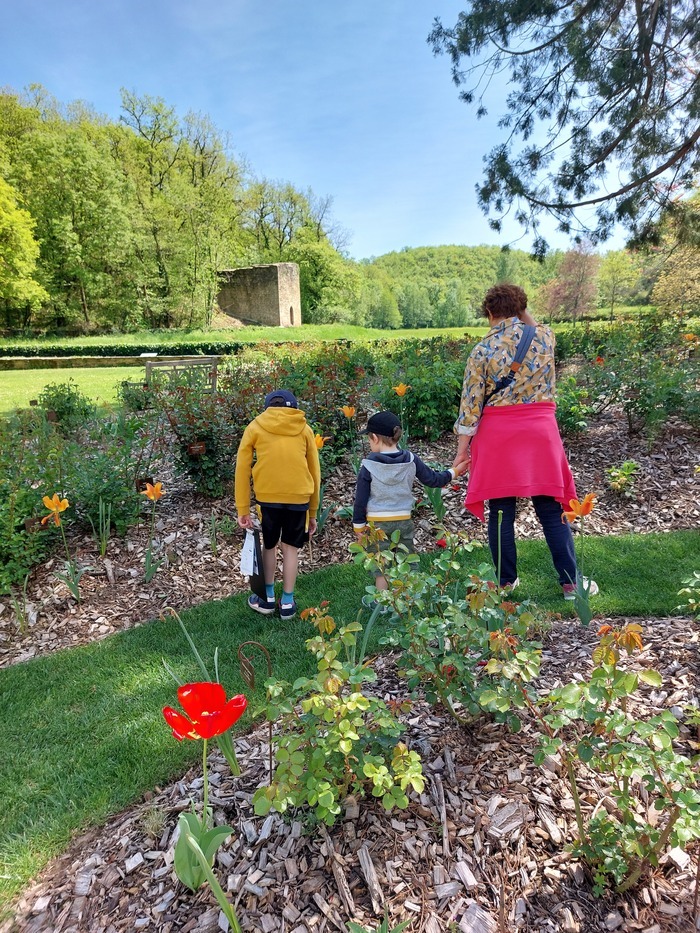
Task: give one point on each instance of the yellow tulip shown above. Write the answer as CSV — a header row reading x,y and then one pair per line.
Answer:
x,y
348,411
153,492
401,389
55,505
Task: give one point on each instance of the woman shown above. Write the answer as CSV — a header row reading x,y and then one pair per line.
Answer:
x,y
509,436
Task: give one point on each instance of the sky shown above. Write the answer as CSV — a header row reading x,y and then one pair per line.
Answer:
x,y
344,98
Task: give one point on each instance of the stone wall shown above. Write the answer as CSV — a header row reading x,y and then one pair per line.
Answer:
x,y
262,294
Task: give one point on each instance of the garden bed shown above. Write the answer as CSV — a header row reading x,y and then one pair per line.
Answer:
x,y
482,850
663,497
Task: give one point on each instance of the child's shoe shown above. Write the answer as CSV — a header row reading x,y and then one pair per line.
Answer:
x,y
287,610
569,589
265,607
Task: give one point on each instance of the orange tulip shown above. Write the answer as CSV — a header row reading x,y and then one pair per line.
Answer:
x,y
153,492
55,505
690,337
579,509
348,411
320,441
401,389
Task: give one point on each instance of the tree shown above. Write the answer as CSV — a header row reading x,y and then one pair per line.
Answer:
x,y
616,279
602,113
19,252
677,288
572,293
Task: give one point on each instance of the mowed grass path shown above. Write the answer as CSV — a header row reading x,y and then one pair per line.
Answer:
x,y
83,735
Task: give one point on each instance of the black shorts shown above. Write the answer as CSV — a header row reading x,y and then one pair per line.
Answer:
x,y
281,521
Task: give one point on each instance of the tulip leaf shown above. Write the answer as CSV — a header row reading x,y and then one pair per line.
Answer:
x,y
187,867
226,747
209,876
212,839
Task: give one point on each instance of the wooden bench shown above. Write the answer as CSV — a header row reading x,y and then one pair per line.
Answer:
x,y
204,368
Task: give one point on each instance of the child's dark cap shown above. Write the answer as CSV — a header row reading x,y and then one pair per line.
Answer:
x,y
383,422
281,398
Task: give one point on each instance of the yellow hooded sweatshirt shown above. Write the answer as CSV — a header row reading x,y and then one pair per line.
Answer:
x,y
286,468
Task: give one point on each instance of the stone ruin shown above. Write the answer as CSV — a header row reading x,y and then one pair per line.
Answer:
x,y
266,294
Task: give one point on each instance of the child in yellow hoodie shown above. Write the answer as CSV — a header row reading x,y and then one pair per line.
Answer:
x,y
286,481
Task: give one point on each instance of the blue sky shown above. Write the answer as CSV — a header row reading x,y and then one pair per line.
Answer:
x,y
346,99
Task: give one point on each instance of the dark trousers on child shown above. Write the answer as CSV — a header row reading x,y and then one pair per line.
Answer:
x,y
557,533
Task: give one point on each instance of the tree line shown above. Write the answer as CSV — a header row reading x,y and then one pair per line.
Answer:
x,y
121,225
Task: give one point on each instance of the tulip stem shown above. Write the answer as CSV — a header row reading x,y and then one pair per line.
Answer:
x,y
205,793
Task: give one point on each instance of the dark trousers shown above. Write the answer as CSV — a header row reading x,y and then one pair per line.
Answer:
x,y
557,533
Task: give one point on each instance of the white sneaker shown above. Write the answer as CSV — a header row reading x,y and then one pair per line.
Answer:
x,y
569,589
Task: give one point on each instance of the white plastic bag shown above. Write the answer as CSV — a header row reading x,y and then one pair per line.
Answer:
x,y
248,561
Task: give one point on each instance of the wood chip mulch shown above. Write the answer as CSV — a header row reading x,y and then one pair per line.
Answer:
x,y
482,850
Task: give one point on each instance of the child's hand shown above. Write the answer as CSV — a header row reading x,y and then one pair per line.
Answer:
x,y
313,525
462,466
245,521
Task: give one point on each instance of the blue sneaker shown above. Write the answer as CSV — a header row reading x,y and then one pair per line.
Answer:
x,y
265,607
287,610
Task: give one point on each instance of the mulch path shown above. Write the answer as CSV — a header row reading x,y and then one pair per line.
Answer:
x,y
482,850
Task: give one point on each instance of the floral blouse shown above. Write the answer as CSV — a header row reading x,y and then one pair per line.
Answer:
x,y
490,360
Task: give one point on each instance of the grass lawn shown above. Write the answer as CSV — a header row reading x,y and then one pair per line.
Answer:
x,y
18,386
242,335
83,735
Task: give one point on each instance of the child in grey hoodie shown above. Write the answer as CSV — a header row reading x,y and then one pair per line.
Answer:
x,y
383,495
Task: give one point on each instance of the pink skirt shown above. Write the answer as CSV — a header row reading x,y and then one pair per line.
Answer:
x,y
517,451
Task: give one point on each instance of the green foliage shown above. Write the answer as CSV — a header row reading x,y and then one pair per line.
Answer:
x,y
129,222
590,722
207,432
691,590
332,739
102,471
382,928
30,468
621,478
643,366
434,370
626,161
462,641
134,396
19,252
572,406
73,409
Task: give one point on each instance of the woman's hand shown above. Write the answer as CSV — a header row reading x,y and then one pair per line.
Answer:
x,y
245,521
462,458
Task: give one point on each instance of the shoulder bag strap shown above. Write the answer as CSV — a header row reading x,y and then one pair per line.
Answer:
x,y
522,348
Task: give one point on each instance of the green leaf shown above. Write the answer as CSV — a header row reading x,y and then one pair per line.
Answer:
x,y
651,677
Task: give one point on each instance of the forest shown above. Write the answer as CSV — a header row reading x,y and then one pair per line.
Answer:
x,y
117,226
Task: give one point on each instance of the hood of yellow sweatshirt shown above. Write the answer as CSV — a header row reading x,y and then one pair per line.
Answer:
x,y
289,421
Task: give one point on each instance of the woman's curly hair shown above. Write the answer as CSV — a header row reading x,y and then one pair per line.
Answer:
x,y
504,301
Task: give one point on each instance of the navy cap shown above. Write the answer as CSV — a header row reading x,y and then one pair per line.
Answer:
x,y
382,423
289,400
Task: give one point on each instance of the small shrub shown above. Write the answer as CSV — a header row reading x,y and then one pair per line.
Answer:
x,y
573,409
621,479
333,739
73,409
589,724
462,641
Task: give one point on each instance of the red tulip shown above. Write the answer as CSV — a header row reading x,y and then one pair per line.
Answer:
x,y
209,713
441,542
